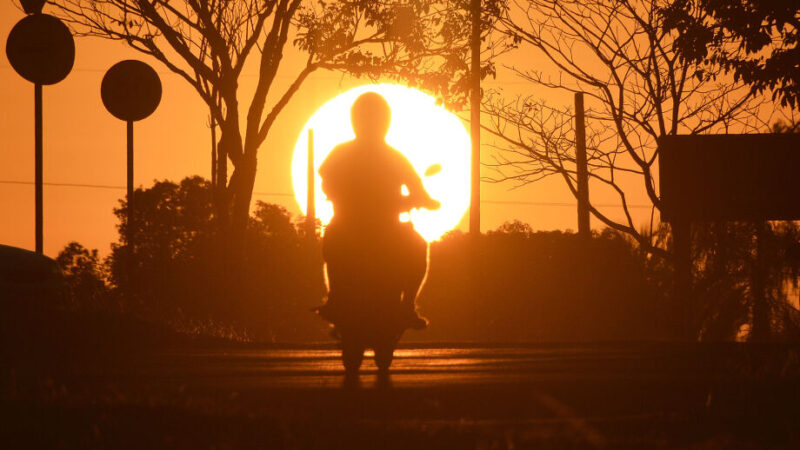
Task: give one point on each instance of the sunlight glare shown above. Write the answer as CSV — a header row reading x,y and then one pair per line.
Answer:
x,y
426,133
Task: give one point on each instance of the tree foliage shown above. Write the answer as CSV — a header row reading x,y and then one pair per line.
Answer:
x,y
172,271
209,43
85,276
726,256
531,286
540,287
757,41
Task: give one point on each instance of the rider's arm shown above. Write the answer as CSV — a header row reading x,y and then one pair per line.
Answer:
x,y
418,195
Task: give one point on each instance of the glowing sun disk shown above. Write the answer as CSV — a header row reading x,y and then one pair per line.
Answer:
x,y
427,134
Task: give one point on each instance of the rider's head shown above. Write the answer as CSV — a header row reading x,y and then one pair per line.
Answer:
x,y
371,116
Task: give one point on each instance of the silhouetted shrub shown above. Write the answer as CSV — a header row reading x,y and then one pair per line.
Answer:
x,y
517,285
726,256
511,284
85,276
180,271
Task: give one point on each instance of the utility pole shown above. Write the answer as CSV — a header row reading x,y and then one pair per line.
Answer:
x,y
475,135
311,213
475,119
584,230
213,154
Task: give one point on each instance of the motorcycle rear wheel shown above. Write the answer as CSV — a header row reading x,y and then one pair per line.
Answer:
x,y
383,356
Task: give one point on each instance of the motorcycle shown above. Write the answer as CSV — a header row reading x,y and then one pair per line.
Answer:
x,y
369,312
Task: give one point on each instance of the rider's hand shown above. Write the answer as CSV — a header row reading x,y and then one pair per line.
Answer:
x,y
432,204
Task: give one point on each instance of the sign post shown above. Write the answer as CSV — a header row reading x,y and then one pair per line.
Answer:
x,y
41,49
38,169
131,91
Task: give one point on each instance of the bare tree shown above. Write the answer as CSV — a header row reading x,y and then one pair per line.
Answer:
x,y
637,88
208,42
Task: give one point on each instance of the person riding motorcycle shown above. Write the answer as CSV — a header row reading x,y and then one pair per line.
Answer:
x,y
364,179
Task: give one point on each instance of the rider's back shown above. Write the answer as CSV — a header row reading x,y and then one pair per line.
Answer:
x,y
364,183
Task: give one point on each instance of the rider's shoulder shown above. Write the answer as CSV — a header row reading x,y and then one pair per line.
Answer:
x,y
343,147
395,153
398,159
338,155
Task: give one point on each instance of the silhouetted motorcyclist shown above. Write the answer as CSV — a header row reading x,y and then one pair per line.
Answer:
x,y
363,178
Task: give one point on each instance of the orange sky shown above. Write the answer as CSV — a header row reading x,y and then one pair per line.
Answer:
x,y
84,144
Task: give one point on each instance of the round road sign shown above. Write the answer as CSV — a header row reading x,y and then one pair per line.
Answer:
x,y
41,49
131,90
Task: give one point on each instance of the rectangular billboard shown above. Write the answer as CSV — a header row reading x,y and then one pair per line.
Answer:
x,y
736,177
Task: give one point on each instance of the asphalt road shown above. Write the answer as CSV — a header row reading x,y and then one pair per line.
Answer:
x,y
428,367
556,396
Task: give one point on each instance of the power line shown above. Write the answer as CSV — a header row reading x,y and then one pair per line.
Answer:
x,y
286,194
170,73
109,186
316,77
571,205
95,186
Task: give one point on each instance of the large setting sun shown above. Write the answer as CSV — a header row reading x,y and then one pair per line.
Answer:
x,y
426,133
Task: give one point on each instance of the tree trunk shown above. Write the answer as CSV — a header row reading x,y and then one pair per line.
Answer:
x,y
242,182
226,256
221,204
240,191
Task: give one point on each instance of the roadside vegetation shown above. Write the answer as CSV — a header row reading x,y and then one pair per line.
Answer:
x,y
511,285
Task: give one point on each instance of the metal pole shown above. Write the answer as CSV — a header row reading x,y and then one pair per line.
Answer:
x,y
131,216
475,119
475,136
213,154
760,330
584,230
311,212
682,242
38,178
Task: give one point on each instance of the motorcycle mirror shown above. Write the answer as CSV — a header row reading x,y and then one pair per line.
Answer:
x,y
433,170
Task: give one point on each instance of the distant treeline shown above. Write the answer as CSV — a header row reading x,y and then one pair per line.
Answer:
x,y
510,284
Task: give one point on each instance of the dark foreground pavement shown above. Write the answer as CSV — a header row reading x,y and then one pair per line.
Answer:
x,y
647,395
